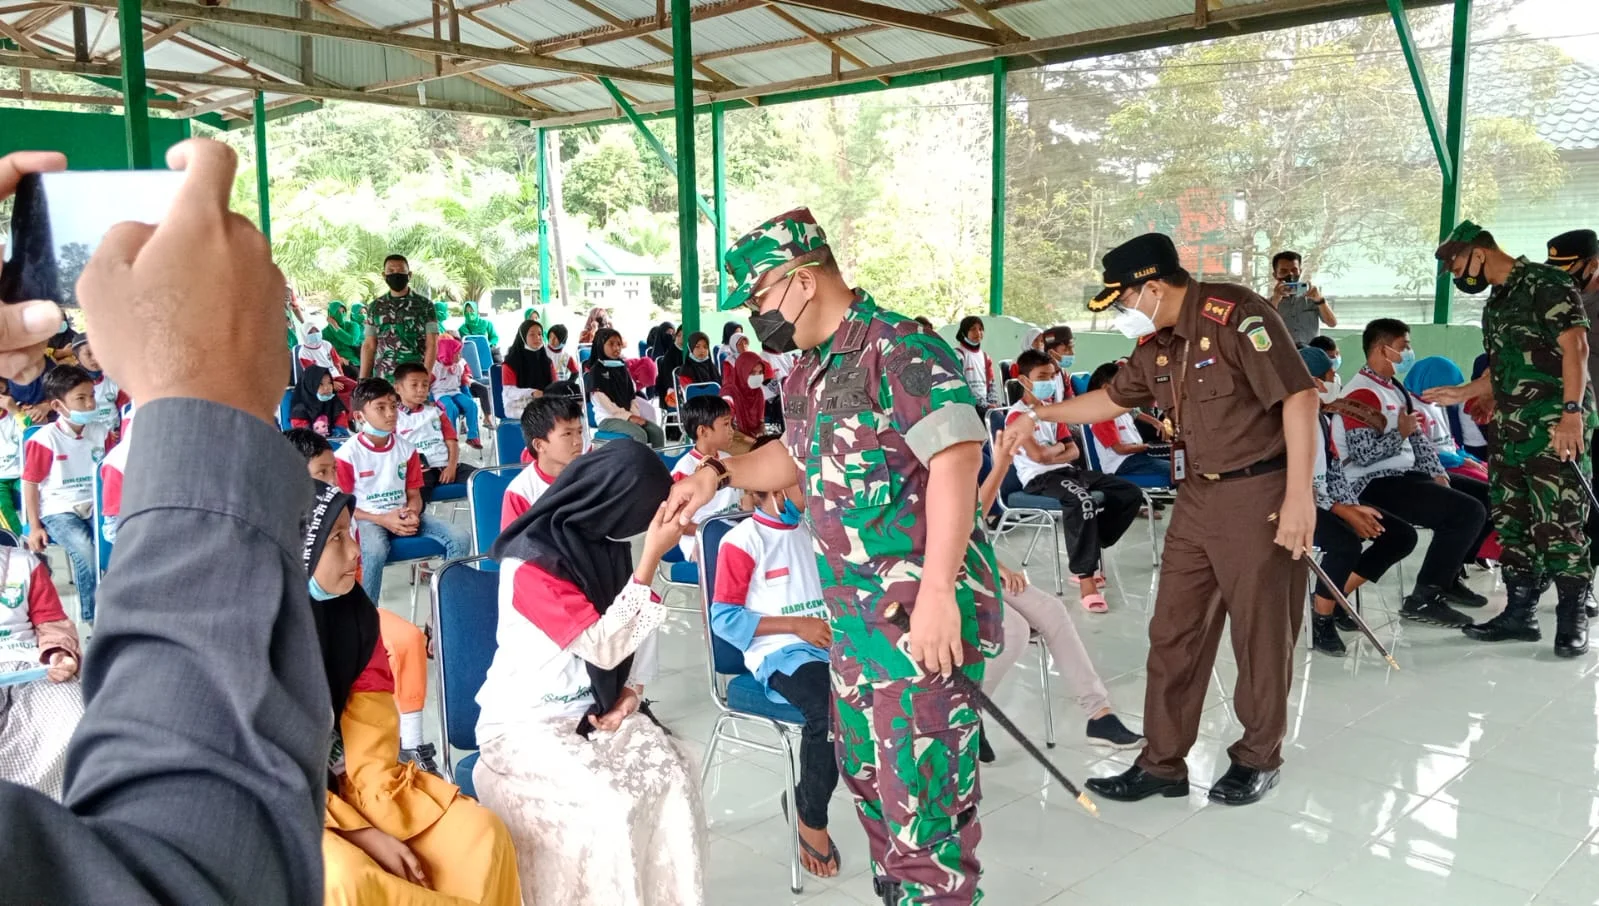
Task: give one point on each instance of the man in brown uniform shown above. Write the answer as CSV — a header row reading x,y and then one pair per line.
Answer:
x,y
1218,360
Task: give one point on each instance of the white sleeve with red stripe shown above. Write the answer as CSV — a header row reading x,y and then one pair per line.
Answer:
x,y
44,604
37,460
734,570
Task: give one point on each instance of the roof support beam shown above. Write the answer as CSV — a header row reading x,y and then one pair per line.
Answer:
x,y
651,40
464,10
985,15
655,144
901,18
645,26
838,52
221,15
59,64
92,100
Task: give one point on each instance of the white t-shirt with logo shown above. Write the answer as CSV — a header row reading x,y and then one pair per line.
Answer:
x,y
1047,434
1121,430
524,491
770,569
727,500
63,465
378,477
10,446
108,400
27,598
427,429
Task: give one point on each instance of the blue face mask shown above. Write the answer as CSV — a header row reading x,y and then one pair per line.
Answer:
x,y
97,375
1066,361
378,433
1044,391
325,397
1406,359
699,358
612,363
318,593
81,417
1338,362
790,514
556,347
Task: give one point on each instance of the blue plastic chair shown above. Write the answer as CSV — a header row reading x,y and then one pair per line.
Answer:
x,y
101,544
583,354
283,410
740,699
496,393
485,496
415,550
599,437
465,604
705,389
509,444
475,359
1020,510
1080,382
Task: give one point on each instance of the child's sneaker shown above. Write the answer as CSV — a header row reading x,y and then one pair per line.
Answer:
x,y
475,443
1109,732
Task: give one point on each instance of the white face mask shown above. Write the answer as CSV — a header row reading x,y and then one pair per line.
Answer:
x,y
1134,324
1335,389
755,381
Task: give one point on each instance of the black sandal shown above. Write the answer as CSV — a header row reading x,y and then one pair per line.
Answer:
x,y
832,858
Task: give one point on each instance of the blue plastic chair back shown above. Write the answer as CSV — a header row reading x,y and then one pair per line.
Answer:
x,y
475,358
414,547
102,546
725,658
509,444
283,410
485,497
465,617
1080,382
1005,365
643,347
1091,448
705,389
583,355
497,392
670,455
485,353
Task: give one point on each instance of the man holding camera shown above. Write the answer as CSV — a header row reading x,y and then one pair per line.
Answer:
x,y
1302,307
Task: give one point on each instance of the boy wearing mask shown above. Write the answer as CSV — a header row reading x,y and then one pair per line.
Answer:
x,y
59,464
108,397
384,472
708,421
1046,466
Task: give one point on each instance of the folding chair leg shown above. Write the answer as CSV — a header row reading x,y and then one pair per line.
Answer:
x,y
710,753
1049,707
796,881
1057,537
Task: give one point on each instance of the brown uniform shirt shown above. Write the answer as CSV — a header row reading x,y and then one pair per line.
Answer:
x,y
1240,365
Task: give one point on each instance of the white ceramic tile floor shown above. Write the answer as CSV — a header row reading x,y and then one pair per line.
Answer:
x,y
1471,777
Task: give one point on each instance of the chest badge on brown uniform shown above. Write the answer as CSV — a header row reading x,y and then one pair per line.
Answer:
x,y
1204,344
1161,360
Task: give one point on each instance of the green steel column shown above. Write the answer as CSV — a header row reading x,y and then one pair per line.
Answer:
x,y
687,196
544,219
262,180
996,217
719,196
135,109
1454,139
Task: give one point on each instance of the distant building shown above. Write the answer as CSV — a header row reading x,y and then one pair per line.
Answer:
x,y
615,278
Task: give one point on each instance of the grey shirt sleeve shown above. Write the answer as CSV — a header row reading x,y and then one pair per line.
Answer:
x,y
197,774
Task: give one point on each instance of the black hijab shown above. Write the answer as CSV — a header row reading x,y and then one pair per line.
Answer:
x,y
572,531
616,382
533,367
304,404
671,358
662,337
346,626
699,372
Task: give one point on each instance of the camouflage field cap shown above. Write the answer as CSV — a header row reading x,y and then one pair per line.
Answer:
x,y
772,244
1459,240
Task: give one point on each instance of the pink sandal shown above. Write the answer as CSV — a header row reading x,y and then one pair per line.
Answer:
x,y
1095,604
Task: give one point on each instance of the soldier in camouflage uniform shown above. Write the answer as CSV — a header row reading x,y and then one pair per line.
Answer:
x,y
884,431
1577,253
401,325
1536,336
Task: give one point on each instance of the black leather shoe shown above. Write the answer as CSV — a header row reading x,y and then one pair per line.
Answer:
x,y
1242,786
1135,783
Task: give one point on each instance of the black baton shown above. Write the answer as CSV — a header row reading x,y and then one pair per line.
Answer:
x,y
1583,480
901,621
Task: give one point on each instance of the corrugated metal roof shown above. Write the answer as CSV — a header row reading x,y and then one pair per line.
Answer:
x,y
749,45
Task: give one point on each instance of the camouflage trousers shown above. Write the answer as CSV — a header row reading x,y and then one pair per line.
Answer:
x,y
907,750
1540,511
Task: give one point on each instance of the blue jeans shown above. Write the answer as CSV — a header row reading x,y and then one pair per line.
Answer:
x,y
1145,464
459,404
74,534
375,548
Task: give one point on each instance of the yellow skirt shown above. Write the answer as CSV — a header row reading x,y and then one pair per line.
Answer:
x,y
467,856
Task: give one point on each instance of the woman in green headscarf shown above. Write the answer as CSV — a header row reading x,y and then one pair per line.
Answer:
x,y
475,325
343,333
441,310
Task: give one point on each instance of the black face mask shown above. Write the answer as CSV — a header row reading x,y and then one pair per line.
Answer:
x,y
775,331
397,282
1472,285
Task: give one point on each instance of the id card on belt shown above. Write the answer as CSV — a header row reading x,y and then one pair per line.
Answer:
x,y
1179,462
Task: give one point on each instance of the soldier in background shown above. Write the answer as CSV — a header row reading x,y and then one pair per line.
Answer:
x,y
883,434
1577,253
1536,337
